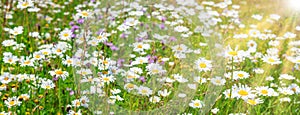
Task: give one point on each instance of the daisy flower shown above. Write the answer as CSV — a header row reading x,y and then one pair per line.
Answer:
x,y
108,78
230,53
286,77
229,92
154,99
271,59
16,31
285,91
196,104
38,56
59,73
240,75
243,91
140,47
203,65
131,75
84,101
200,80
84,72
115,91
11,59
144,91
22,4
140,60
181,48
26,62
215,110
155,68
131,22
295,60
46,51
180,78
164,93
254,33
71,112
181,29
265,91
76,103
5,78
12,101
68,61
117,97
65,34
47,84
218,81
254,101
7,43
295,88
102,37
136,70
85,13
130,86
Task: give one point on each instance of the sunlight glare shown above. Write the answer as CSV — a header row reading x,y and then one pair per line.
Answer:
x,y
295,4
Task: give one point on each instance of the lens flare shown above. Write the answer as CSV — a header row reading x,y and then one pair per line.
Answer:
x,y
295,4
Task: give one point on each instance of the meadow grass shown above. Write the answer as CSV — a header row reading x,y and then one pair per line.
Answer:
x,y
96,80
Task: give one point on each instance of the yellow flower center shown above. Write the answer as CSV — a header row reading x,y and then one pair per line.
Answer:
x,y
202,65
2,86
232,53
130,86
243,93
155,71
25,4
144,91
264,91
90,79
84,73
105,62
58,50
66,34
48,87
6,78
241,75
10,60
45,53
78,103
12,103
85,14
271,60
37,56
196,104
69,61
294,89
252,102
27,62
228,94
59,72
106,79
179,48
99,37
140,46
130,77
141,61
